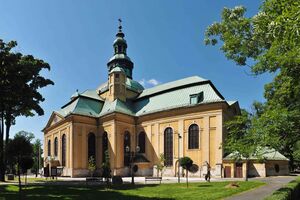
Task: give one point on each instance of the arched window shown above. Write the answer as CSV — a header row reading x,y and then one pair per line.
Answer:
x,y
142,142
193,136
104,145
91,145
126,144
49,147
168,146
55,146
63,150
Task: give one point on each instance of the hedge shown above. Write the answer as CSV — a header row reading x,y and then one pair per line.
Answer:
x,y
290,191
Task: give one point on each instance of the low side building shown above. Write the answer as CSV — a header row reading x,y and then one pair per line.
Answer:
x,y
268,162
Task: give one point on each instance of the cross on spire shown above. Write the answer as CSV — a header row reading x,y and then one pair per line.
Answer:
x,y
120,24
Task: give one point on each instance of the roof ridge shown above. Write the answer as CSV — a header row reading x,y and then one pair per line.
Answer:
x,y
171,85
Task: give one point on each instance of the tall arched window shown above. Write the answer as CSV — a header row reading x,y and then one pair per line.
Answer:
x,y
193,136
49,147
142,142
63,150
126,144
104,145
55,146
91,145
168,146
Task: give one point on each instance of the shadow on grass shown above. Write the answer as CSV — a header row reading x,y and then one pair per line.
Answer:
x,y
204,185
8,192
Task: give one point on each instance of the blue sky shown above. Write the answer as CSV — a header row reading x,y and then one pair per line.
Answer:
x,y
165,42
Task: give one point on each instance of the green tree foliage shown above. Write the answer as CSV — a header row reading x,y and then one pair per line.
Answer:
x,y
240,139
37,152
106,171
267,42
92,165
160,164
20,84
186,163
19,150
28,135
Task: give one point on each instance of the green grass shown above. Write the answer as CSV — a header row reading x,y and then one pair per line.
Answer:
x,y
214,190
289,191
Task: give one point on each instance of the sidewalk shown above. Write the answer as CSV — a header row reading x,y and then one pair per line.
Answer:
x,y
273,184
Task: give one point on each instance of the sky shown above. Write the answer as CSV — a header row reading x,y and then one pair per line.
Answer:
x,y
164,37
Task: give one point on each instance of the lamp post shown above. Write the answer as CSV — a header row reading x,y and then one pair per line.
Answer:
x,y
178,171
132,155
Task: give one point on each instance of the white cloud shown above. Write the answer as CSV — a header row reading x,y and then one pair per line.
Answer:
x,y
153,82
142,82
149,83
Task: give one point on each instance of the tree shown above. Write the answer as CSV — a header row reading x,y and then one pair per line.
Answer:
x,y
240,140
37,152
25,164
92,165
18,150
106,171
20,84
267,42
28,135
186,163
161,164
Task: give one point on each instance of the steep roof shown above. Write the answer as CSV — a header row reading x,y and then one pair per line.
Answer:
x,y
171,85
82,106
175,94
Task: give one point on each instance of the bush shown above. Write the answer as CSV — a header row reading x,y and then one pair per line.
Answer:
x,y
117,180
288,192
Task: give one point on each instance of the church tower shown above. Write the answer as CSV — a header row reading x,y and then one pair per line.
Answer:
x,y
119,68
120,58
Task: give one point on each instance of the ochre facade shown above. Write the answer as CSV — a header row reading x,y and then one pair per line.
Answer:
x,y
96,121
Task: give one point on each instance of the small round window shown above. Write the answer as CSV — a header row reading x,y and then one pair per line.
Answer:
x,y
276,166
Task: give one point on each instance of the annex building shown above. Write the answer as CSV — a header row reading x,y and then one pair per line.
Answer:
x,y
180,118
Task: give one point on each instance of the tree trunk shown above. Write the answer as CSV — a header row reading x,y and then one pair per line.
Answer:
x,y
2,166
19,175
187,178
246,175
7,129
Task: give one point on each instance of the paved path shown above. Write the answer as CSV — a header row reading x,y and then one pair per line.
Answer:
x,y
273,184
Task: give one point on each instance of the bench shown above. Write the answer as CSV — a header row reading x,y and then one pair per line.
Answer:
x,y
153,179
94,180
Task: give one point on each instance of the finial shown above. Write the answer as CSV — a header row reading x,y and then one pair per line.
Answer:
x,y
120,24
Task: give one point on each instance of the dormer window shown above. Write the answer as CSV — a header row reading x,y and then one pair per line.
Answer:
x,y
196,98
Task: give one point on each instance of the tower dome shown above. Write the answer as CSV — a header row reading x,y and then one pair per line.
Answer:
x,y
120,58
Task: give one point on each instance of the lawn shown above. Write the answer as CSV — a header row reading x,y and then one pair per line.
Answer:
x,y
213,190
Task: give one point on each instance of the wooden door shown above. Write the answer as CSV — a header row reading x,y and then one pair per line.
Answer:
x,y
238,170
227,172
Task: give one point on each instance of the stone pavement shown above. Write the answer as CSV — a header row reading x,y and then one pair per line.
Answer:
x,y
273,184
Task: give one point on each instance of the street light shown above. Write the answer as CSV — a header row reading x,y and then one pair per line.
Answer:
x,y
179,137
132,155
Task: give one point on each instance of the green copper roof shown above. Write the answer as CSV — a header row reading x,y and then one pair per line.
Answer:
x,y
265,153
170,85
175,98
117,69
134,85
119,56
82,106
116,106
172,95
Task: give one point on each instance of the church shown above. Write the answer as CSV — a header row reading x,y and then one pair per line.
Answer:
x,y
180,118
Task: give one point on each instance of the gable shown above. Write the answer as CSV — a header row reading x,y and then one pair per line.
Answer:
x,y
54,118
